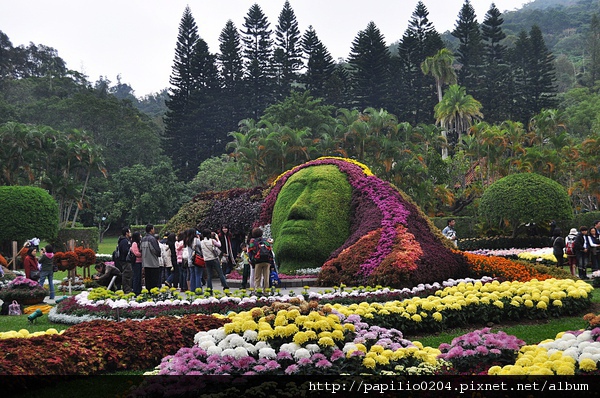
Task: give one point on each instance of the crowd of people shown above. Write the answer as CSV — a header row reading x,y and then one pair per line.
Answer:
x,y
171,261
581,247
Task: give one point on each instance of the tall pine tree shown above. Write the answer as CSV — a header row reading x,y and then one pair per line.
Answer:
x,y
231,67
179,145
496,81
415,93
370,62
287,56
470,49
258,48
542,73
206,116
534,76
319,64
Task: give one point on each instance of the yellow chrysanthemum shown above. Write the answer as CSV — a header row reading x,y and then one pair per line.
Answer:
x,y
300,338
587,365
416,318
369,363
326,342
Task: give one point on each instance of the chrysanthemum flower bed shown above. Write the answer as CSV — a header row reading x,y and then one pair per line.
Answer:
x,y
571,353
287,339
294,340
101,303
96,346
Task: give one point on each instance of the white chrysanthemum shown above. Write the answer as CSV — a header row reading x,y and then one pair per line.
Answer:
x,y
201,337
218,334
568,336
262,344
205,345
251,348
313,348
235,340
585,336
349,347
585,346
214,350
571,352
267,352
302,353
250,335
240,352
229,352
289,347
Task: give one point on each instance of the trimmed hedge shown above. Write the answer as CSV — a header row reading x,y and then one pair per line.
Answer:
x,y
525,197
86,237
25,213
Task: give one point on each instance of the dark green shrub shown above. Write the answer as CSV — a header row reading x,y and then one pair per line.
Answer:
x,y
25,213
158,228
86,237
523,198
237,208
466,227
503,242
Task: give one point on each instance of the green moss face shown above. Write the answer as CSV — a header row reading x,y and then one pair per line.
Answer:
x,y
311,217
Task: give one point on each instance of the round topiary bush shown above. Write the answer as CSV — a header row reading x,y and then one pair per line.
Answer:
x,y
27,212
523,198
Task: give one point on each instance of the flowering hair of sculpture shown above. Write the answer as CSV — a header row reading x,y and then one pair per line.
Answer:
x,y
391,241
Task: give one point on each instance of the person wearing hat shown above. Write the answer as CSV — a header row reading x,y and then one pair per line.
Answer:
x,y
570,250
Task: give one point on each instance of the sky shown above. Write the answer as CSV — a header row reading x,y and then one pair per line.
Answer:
x,y
136,38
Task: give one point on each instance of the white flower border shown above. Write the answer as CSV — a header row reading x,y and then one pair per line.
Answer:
x,y
83,300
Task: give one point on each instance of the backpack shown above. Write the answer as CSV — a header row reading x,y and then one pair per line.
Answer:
x,y
116,255
570,246
263,252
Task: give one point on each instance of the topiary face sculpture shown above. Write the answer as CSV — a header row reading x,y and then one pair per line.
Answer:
x,y
311,217
335,213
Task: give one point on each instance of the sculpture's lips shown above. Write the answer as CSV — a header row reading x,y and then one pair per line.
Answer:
x,y
296,226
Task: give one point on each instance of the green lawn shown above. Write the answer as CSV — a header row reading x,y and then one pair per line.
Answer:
x,y
108,245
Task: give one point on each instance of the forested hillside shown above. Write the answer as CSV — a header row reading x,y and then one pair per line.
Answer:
x,y
442,119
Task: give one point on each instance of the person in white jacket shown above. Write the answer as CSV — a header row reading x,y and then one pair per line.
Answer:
x,y
209,242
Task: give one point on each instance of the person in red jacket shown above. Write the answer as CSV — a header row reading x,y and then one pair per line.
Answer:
x,y
31,264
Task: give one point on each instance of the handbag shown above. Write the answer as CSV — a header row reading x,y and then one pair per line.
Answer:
x,y
34,275
198,260
130,257
14,308
216,251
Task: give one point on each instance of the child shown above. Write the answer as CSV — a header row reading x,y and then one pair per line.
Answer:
x,y
247,270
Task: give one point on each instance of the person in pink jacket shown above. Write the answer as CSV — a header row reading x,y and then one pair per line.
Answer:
x,y
136,240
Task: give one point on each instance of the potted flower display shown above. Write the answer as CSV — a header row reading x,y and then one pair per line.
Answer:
x,y
24,291
85,257
65,261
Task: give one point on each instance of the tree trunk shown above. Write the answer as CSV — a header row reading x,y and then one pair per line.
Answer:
x,y
87,178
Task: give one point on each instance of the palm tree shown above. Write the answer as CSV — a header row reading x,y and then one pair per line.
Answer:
x,y
440,67
457,111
